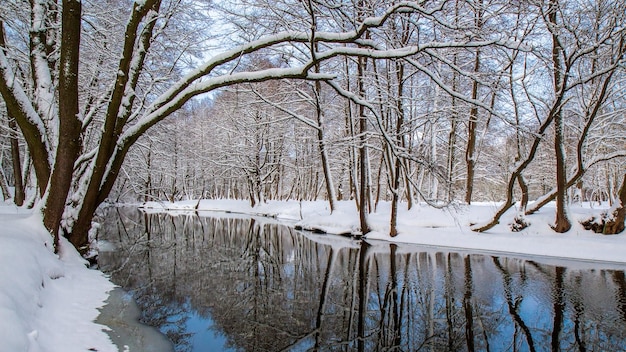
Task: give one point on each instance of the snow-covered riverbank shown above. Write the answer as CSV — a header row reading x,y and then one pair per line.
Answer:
x,y
447,227
48,302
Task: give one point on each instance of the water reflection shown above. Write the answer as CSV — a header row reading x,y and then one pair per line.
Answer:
x,y
240,284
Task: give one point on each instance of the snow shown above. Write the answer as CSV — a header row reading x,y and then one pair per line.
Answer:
x,y
448,227
48,302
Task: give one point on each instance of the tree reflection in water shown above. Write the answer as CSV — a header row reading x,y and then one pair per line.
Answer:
x,y
266,287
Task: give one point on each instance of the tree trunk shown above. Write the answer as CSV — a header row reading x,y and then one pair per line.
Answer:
x,y
470,151
34,139
590,118
518,171
4,186
20,195
363,173
69,124
319,116
364,195
328,178
524,189
399,140
109,155
562,221
407,185
470,156
452,149
619,214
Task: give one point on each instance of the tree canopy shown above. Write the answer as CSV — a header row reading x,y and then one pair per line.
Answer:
x,y
360,99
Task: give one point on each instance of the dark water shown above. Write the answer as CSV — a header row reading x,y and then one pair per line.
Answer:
x,y
224,284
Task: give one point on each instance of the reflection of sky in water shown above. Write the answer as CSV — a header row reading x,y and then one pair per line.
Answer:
x,y
273,289
205,338
203,334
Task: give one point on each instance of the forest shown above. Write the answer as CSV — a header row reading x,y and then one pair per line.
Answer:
x,y
438,102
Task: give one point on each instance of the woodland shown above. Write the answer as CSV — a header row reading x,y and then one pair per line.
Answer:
x,y
437,102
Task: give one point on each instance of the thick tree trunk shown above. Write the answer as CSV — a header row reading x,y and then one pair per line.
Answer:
x,y
470,157
69,124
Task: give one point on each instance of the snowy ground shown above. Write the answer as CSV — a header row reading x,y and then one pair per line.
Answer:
x,y
50,302
448,227
47,302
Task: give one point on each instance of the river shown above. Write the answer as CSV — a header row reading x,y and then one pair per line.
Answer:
x,y
225,283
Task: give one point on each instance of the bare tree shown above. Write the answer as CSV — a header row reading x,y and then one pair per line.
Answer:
x,y
572,73
134,101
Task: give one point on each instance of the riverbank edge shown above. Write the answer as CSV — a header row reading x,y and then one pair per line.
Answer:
x,y
120,315
448,227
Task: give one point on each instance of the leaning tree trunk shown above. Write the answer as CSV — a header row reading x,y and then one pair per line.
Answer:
x,y
16,110
521,166
100,182
611,223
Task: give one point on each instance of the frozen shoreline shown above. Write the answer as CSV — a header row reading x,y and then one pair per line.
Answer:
x,y
424,225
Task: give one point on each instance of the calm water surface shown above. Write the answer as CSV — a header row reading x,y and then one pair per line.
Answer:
x,y
226,284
